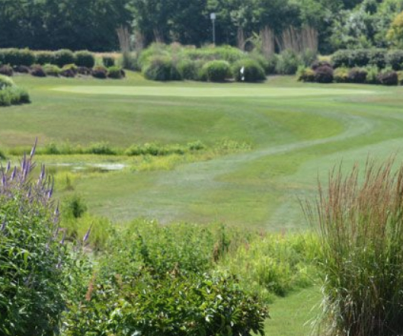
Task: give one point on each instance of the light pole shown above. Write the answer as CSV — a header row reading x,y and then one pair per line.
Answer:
x,y
213,17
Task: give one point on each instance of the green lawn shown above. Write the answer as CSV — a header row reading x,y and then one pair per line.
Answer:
x,y
297,133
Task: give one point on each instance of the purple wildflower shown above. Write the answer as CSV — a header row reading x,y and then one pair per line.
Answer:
x,y
87,235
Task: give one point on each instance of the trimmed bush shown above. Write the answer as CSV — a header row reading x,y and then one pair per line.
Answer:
x,y
44,57
69,71
5,81
341,58
99,72
84,71
6,70
394,59
13,95
388,77
84,59
377,57
324,74
21,69
372,75
248,70
357,75
51,70
216,71
340,75
108,61
37,71
161,69
288,63
115,72
18,57
63,57
188,69
305,74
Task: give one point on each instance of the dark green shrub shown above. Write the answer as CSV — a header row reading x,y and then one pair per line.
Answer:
x,y
115,72
84,71
73,206
34,265
99,72
161,69
51,70
340,75
359,57
19,57
84,59
108,61
216,71
248,70
6,70
388,77
189,69
357,75
372,75
394,59
341,58
37,71
324,74
69,71
21,69
5,82
44,57
288,63
63,57
305,74
101,148
13,95
377,57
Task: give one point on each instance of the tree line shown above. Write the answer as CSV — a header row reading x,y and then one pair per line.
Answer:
x,y
92,24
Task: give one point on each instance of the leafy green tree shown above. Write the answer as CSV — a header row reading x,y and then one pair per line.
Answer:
x,y
395,34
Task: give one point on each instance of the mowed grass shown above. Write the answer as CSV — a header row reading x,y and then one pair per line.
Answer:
x,y
297,132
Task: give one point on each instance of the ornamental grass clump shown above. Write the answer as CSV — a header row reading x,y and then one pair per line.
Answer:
x,y
360,220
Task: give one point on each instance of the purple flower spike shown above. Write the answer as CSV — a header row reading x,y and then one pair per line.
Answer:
x,y
3,180
87,235
13,173
64,237
34,148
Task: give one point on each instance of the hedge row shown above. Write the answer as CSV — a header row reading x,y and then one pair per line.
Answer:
x,y
26,57
324,73
10,94
381,58
69,70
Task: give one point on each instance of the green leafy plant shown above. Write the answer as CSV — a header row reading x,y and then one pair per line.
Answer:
x,y
248,71
84,59
63,57
216,71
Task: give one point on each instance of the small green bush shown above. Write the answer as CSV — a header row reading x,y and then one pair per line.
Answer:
x,y
189,69
63,57
5,82
108,61
288,63
69,71
100,148
84,59
357,75
6,70
115,72
248,70
51,70
305,74
161,69
44,57
84,71
99,72
324,74
372,75
216,71
394,59
377,57
341,58
340,75
11,94
37,71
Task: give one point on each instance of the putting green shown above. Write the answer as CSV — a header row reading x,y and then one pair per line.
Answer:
x,y
228,91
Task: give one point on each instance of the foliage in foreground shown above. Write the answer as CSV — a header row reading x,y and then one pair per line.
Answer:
x,y
10,94
33,261
361,228
161,283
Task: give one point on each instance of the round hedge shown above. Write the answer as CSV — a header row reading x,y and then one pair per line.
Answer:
x,y
99,72
160,68
5,82
388,77
45,57
37,71
324,74
248,70
63,57
108,61
189,69
51,70
216,71
84,59
115,72
340,75
357,75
